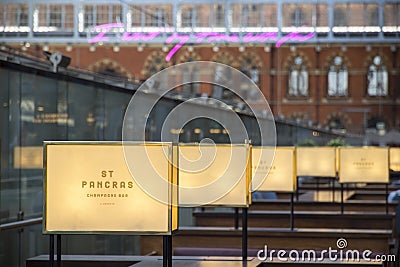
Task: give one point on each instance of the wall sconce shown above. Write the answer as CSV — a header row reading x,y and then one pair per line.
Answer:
x,y
57,60
68,48
25,46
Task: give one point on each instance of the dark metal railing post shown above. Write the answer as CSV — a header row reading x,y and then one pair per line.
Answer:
x,y
58,250
244,234
291,211
51,251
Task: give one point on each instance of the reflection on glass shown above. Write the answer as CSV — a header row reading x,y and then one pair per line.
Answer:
x,y
35,109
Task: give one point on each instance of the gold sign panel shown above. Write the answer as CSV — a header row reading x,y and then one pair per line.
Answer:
x,y
28,157
364,165
395,159
214,175
278,177
89,188
316,161
329,196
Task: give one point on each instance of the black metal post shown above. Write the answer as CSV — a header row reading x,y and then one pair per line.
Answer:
x,y
341,199
51,251
164,254
58,250
170,251
333,187
236,218
386,198
297,188
167,251
291,211
244,234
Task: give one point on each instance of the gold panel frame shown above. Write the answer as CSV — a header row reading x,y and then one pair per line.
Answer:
x,y
195,189
281,175
316,161
89,189
364,165
394,158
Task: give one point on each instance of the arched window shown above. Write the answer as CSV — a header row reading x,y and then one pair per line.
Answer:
x,y
254,74
154,63
219,77
337,78
377,78
251,65
222,74
190,74
298,78
110,67
336,123
375,122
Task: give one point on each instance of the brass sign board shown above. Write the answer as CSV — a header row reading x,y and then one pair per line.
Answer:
x,y
363,165
394,158
89,188
28,157
316,161
214,175
278,177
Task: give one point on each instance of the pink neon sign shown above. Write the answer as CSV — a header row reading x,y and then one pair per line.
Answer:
x,y
204,37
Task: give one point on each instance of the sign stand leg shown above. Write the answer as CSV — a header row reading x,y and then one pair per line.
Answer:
x,y
236,218
386,198
164,254
51,251
341,199
167,251
58,250
291,211
170,250
244,234
297,188
333,187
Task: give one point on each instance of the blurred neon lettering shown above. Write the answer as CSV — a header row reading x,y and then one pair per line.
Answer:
x,y
204,37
